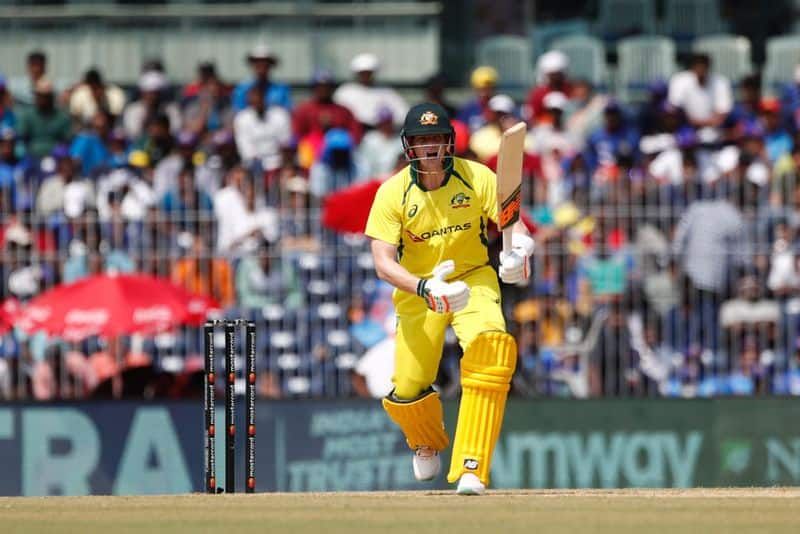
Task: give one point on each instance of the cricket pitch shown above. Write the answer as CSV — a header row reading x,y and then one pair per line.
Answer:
x,y
748,510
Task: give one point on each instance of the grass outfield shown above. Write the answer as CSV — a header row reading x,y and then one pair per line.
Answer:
x,y
738,511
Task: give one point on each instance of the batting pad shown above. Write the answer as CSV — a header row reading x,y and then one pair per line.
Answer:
x,y
486,370
420,419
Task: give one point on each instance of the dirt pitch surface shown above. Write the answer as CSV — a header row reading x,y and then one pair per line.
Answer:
x,y
771,510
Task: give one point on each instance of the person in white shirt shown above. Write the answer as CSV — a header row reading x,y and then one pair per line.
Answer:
x,y
705,97
152,102
260,131
240,218
364,99
87,98
380,148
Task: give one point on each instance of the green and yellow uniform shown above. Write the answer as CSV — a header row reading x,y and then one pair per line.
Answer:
x,y
429,227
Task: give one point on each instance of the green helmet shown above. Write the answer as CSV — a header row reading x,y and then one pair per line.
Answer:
x,y
427,119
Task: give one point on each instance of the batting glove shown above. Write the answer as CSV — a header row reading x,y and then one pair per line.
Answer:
x,y
515,265
441,296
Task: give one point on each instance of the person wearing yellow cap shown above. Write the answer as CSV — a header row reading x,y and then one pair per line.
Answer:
x,y
476,112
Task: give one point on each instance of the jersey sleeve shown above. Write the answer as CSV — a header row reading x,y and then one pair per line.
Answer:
x,y
384,222
487,184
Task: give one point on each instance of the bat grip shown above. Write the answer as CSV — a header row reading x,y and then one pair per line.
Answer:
x,y
507,239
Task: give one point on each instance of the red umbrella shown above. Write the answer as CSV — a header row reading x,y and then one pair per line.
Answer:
x,y
346,210
9,310
112,305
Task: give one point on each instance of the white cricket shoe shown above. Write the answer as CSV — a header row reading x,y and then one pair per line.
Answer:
x,y
470,484
426,463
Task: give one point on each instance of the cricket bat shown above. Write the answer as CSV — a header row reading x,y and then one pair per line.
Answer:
x,y
509,180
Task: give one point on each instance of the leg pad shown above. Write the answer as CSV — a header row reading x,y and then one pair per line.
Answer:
x,y
420,419
486,370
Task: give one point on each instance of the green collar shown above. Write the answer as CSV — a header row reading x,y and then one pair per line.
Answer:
x,y
415,178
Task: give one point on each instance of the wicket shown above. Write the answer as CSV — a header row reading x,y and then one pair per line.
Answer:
x,y
209,406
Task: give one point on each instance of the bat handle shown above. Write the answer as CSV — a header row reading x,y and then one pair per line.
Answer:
x,y
507,239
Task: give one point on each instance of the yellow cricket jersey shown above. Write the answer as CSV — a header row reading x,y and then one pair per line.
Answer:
x,y
429,227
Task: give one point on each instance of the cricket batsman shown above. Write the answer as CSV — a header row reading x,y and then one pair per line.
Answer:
x,y
428,228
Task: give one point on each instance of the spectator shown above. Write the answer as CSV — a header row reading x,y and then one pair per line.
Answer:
x,y
132,183
186,204
24,277
320,113
207,78
380,148
614,141
363,98
15,175
336,167
648,115
24,89
157,141
152,103
777,141
260,131
65,192
706,243
91,147
434,93
44,125
744,113
552,69
261,60
583,113
749,313
705,97
200,272
92,96
549,133
209,107
262,279
240,218
7,117
790,102
182,155
475,112
485,142
783,279
223,157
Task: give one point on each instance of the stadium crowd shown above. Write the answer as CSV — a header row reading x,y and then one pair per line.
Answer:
x,y
666,261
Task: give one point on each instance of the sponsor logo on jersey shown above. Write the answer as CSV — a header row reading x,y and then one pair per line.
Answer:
x,y
459,200
413,211
470,464
414,237
439,231
429,118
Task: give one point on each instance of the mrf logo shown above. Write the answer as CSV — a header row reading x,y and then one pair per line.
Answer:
x,y
429,118
470,464
459,200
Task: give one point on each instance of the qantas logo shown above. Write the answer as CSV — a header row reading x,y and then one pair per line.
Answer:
x,y
441,231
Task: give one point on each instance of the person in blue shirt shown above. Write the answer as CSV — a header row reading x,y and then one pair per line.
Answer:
x,y
261,60
16,180
7,117
613,141
777,140
90,146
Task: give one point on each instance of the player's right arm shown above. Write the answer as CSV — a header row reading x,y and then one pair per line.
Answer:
x,y
384,226
384,257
